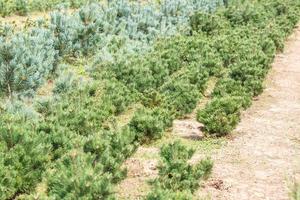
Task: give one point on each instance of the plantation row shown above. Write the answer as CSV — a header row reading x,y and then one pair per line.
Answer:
x,y
68,151
248,38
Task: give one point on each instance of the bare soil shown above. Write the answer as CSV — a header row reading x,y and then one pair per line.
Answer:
x,y
21,21
142,167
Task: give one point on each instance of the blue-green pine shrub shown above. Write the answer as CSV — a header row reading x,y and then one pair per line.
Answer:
x,y
26,60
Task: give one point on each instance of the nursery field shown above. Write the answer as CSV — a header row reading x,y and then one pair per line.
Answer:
x,y
81,92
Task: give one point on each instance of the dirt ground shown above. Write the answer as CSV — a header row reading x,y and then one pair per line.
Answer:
x,y
264,155
21,21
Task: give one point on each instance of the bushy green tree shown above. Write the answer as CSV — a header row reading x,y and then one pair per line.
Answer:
x,y
75,176
24,156
22,7
177,178
180,96
229,87
221,115
150,123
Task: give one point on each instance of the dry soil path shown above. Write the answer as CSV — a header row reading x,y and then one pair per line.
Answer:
x,y
21,21
264,154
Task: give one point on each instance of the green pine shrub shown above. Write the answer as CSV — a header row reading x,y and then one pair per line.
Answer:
x,y
221,115
24,156
247,49
6,7
196,74
89,105
42,105
244,13
180,96
207,23
21,7
119,95
150,123
277,36
75,176
111,149
177,178
268,46
251,75
229,87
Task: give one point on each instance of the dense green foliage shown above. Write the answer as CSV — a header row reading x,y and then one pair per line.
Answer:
x,y
221,115
247,40
177,178
157,56
24,155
